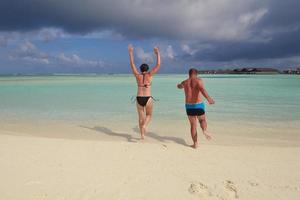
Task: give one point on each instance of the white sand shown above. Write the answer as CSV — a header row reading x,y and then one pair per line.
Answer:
x,y
87,167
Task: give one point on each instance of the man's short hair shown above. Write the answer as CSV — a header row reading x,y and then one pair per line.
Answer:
x,y
193,71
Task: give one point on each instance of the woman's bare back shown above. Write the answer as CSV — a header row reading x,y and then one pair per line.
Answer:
x,y
144,82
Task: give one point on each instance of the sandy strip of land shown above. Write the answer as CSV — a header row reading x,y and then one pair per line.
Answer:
x,y
46,168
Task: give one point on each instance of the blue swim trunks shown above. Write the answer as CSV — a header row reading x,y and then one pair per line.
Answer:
x,y
196,109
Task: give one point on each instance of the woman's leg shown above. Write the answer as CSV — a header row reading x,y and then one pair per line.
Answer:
x,y
141,114
149,109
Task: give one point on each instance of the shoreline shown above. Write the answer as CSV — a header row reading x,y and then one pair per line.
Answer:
x,y
223,134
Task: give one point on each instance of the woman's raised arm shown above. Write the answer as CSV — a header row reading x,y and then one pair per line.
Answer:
x,y
156,68
132,65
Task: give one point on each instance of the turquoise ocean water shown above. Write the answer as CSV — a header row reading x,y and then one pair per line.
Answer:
x,y
251,98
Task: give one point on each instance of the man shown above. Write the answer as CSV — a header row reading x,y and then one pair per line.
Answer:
x,y
195,107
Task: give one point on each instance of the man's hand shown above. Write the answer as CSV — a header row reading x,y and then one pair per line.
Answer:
x,y
156,50
210,100
130,48
179,86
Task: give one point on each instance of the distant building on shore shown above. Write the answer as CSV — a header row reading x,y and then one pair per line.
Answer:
x,y
255,70
292,71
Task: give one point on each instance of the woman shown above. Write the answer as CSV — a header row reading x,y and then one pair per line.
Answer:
x,y
144,101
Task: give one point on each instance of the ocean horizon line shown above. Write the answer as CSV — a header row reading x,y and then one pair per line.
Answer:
x,y
118,74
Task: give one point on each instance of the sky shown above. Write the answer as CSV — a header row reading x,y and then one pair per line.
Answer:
x,y
91,36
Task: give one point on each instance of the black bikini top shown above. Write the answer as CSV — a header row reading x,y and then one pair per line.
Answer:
x,y
144,85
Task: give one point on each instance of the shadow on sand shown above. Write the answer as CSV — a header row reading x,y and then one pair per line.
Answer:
x,y
130,138
163,138
112,133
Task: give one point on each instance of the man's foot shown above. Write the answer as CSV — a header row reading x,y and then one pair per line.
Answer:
x,y
207,135
195,146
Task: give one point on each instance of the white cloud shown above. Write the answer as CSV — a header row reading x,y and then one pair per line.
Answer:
x,y
7,37
44,34
187,49
170,52
166,52
250,18
105,34
3,41
49,34
29,52
144,56
27,47
76,60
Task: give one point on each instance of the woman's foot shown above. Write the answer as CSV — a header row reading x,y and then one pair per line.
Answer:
x,y
143,131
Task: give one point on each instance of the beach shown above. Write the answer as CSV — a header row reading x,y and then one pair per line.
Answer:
x,y
77,138
78,168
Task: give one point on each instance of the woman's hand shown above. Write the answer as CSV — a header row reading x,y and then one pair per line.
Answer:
x,y
156,50
130,48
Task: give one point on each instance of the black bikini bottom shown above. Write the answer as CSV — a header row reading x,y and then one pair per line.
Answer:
x,y
142,100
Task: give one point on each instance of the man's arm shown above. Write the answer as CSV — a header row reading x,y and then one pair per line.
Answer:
x,y
205,93
132,65
180,85
156,68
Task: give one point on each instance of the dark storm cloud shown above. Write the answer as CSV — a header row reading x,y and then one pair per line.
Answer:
x,y
251,29
138,18
278,36
280,46
281,14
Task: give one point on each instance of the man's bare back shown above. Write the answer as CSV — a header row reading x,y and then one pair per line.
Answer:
x,y
192,90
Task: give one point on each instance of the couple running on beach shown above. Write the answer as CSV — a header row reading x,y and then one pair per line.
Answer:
x,y
193,89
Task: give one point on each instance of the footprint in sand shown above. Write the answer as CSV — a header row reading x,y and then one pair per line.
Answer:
x,y
253,183
230,191
200,189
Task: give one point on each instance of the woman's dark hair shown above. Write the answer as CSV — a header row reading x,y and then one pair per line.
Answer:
x,y
144,67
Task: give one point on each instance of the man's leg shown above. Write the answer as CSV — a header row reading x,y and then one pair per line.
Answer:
x,y
203,125
193,123
141,114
